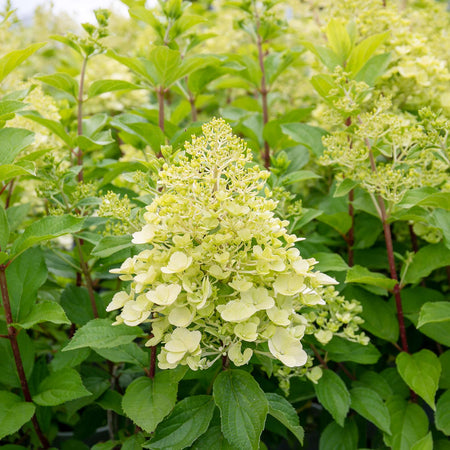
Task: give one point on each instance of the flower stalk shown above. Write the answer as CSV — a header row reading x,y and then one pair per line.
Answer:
x,y
12,336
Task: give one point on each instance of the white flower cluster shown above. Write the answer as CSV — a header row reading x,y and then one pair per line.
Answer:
x,y
221,276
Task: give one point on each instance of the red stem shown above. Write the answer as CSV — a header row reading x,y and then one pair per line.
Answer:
x,y
9,195
12,336
318,356
87,277
151,372
193,109
393,271
414,244
390,254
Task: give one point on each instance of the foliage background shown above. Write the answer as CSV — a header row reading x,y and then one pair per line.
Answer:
x,y
345,103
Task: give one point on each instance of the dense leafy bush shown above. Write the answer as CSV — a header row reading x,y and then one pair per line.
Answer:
x,y
225,225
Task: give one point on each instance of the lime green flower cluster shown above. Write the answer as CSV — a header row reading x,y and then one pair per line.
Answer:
x,y
221,275
119,212
419,44
388,153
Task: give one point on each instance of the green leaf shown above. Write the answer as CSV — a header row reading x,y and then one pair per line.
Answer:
x,y
4,228
148,401
323,83
421,372
96,142
111,400
77,304
444,382
284,412
325,54
427,259
243,408
137,65
67,41
3,257
359,274
344,187
8,371
72,358
369,404
333,395
307,135
398,386
63,82
298,176
379,318
128,353
335,437
409,423
213,439
45,311
60,387
443,413
13,140
101,86
55,127
434,321
25,275
340,350
375,382
413,298
330,262
361,54
100,333
9,107
189,420
109,245
44,229
340,221
436,200
13,59
14,413
338,39
374,68
426,443
10,171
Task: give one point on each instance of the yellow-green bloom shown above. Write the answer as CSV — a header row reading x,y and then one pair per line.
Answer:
x,y
220,268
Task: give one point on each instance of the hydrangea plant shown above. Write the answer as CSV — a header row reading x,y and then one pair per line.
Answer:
x,y
220,274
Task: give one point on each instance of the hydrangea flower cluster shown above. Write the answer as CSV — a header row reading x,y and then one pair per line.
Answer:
x,y
221,275
408,153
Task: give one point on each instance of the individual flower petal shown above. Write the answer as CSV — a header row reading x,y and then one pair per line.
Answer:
x,y
301,266
118,301
279,316
240,284
236,311
247,331
315,374
289,284
310,297
287,349
133,313
145,236
164,294
237,357
178,262
323,336
324,279
181,316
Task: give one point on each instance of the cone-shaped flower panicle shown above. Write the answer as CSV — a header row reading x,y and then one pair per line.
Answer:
x,y
221,274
